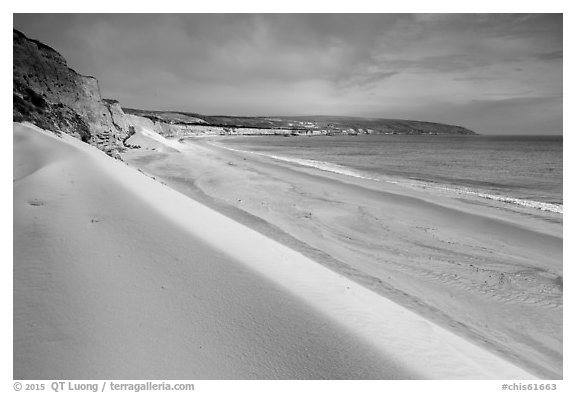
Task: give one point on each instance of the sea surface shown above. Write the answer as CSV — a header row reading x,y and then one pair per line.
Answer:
x,y
522,170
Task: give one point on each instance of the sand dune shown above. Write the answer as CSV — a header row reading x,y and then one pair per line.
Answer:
x,y
489,273
118,276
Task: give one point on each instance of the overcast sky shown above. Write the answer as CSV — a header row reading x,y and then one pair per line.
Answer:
x,y
490,73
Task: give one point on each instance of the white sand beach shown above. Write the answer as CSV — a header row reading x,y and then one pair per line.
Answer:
x,y
118,276
490,273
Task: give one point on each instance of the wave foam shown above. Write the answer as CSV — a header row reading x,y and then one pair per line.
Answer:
x,y
343,170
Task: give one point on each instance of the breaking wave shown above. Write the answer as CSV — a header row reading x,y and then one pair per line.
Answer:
x,y
346,171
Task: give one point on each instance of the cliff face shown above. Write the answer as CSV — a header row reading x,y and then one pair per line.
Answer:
x,y
170,130
48,93
182,123
53,96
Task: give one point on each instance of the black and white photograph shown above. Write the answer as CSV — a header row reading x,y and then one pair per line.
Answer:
x,y
287,196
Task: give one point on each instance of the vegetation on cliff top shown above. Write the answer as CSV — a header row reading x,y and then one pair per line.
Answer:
x,y
49,94
333,124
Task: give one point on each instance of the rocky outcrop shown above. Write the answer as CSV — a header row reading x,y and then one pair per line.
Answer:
x,y
140,122
169,130
53,96
298,125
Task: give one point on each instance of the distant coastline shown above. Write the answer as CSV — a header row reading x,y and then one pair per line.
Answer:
x,y
168,245
196,123
455,259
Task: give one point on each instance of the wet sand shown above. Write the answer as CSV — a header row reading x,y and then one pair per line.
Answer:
x,y
491,275
117,276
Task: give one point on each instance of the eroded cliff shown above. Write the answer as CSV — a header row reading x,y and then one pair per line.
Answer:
x,y
53,96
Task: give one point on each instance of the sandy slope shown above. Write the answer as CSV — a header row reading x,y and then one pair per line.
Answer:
x,y
486,272
119,276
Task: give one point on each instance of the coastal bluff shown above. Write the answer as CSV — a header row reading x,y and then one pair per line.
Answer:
x,y
48,93
53,96
182,124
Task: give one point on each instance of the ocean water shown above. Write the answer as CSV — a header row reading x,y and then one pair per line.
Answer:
x,y
522,170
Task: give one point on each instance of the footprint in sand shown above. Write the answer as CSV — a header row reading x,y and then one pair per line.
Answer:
x,y
95,220
36,202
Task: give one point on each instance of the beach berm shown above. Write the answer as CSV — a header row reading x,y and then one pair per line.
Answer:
x,y
117,276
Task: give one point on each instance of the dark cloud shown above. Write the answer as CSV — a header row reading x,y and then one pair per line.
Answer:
x,y
504,103
475,79
554,55
352,64
450,63
523,94
369,80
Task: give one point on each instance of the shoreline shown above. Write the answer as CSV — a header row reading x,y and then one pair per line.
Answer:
x,y
309,223
112,267
421,189
472,191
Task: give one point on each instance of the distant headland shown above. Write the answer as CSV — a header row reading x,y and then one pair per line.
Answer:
x,y
48,93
